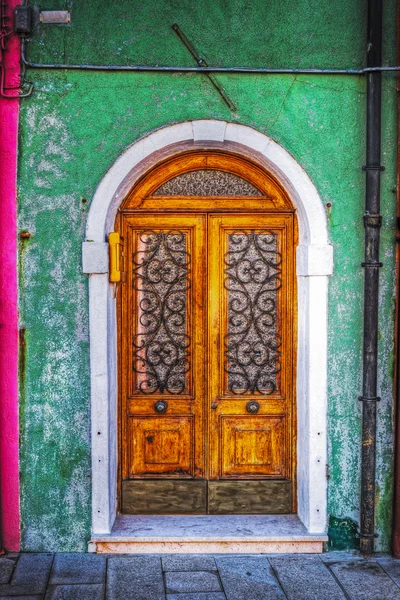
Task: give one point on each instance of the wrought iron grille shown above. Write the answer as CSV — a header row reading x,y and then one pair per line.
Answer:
x,y
161,278
253,278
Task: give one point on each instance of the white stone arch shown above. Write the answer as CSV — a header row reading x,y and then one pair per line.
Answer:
x,y
314,265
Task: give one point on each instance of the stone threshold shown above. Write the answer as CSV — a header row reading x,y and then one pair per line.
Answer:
x,y
208,534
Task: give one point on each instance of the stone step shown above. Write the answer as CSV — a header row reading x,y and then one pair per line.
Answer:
x,y
222,534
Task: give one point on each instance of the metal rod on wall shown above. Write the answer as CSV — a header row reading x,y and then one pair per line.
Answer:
x,y
371,264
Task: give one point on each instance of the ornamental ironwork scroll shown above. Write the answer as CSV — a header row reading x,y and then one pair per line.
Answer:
x,y
252,281
161,278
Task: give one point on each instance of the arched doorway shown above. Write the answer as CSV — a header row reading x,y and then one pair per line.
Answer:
x,y
207,340
314,264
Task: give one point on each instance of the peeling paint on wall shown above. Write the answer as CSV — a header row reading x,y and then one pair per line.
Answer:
x,y
77,124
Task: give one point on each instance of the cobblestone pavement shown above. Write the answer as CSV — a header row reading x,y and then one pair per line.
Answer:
x,y
331,576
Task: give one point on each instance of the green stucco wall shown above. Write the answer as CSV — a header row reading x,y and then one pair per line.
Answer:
x,y
76,125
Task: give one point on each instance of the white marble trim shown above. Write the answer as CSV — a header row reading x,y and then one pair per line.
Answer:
x,y
94,257
315,264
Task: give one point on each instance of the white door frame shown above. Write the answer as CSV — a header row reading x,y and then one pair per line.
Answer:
x,y
314,265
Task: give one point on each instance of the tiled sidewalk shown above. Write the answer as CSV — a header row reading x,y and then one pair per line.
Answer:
x,y
333,576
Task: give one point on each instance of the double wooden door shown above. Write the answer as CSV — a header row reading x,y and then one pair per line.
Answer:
x,y
207,326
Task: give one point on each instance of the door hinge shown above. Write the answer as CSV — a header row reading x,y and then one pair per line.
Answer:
x,y
116,254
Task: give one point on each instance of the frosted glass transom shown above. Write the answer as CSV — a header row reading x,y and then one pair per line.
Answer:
x,y
207,182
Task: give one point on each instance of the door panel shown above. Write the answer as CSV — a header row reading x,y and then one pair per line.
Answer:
x,y
249,497
163,381
250,346
252,445
164,496
161,445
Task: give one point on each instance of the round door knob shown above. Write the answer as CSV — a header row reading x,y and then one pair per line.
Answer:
x,y
160,406
252,407
214,405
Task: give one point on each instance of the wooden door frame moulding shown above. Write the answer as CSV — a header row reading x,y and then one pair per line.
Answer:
x,y
314,265
273,196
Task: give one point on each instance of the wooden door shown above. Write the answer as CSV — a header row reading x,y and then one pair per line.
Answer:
x,y
164,334
251,312
207,325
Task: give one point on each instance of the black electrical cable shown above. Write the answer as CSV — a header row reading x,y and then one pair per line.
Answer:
x,y
174,69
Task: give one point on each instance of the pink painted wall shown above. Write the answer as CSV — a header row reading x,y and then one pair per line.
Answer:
x,y
9,479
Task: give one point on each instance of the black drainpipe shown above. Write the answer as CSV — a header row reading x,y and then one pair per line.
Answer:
x,y
372,224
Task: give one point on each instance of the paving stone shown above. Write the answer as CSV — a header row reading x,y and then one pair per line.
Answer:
x,y
306,578
248,578
6,569
339,555
75,592
22,597
78,568
365,580
191,581
189,562
135,578
8,590
392,568
12,555
32,569
197,596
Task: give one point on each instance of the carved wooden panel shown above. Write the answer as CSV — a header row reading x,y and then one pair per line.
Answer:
x,y
252,445
161,446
